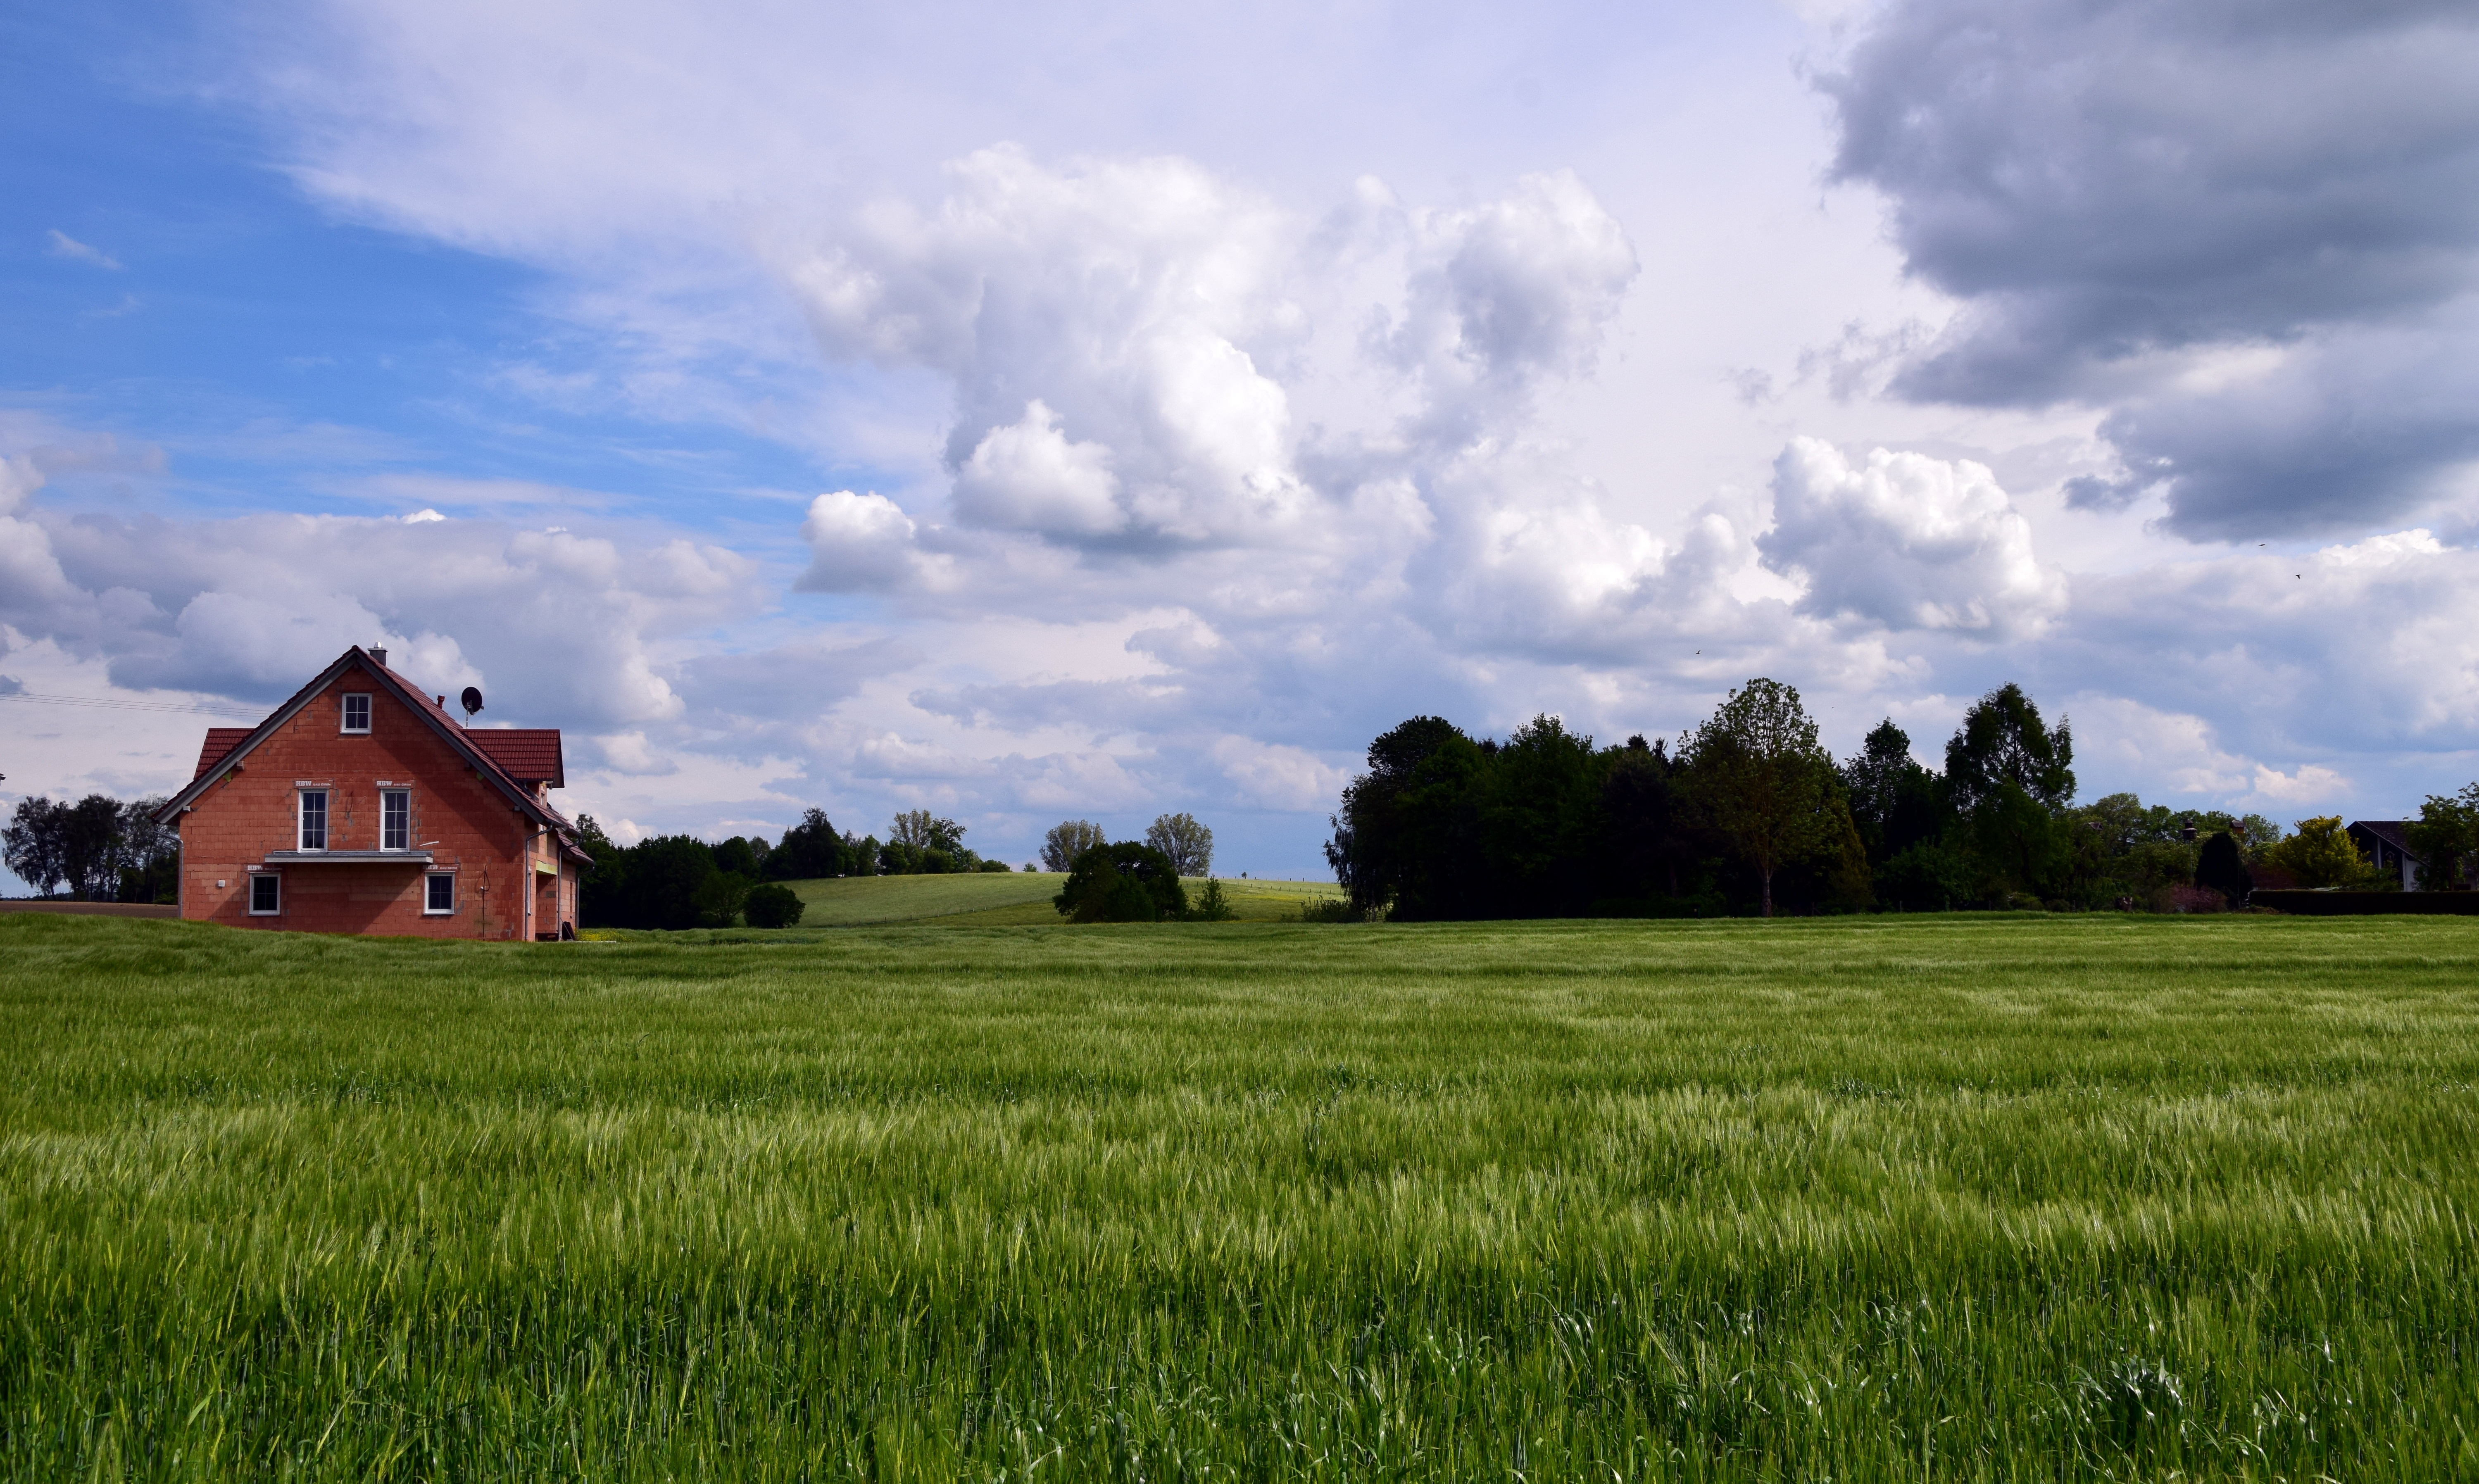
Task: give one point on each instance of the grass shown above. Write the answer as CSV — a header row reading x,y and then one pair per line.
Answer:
x,y
1005,900
1966,1197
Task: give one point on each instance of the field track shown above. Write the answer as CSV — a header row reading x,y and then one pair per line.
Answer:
x,y
1958,1197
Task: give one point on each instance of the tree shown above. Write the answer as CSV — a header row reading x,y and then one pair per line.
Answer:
x,y
1212,904
2003,740
720,898
150,855
665,873
1640,809
2219,868
1186,844
923,830
1069,841
2445,838
808,851
1894,801
774,905
1756,771
2320,855
603,891
32,844
742,854
1127,881
1382,851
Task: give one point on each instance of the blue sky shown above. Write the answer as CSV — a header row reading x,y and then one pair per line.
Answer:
x,y
1050,413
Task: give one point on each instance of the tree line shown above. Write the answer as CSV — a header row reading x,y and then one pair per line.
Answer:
x,y
679,880
1750,813
98,849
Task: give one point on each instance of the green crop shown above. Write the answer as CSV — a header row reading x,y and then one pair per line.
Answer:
x,y
1872,1198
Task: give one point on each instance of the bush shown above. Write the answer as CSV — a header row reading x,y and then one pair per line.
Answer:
x,y
1122,882
774,906
1212,904
1334,910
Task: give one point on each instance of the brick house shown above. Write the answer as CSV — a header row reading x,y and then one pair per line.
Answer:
x,y
361,805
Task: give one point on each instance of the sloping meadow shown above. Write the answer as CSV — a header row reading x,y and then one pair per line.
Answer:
x,y
2041,1197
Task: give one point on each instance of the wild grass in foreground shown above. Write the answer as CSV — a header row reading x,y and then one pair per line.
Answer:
x,y
1964,1197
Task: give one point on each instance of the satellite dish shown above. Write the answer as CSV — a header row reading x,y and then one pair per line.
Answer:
x,y
472,699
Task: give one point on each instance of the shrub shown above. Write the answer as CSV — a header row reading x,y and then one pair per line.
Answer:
x,y
1212,904
1336,909
774,906
1122,882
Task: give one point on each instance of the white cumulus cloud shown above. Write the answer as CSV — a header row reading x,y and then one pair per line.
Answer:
x,y
1904,540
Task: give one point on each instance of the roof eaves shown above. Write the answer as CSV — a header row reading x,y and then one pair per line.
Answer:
x,y
482,762
182,800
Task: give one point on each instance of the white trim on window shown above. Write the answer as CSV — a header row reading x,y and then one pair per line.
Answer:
x,y
273,882
396,819
439,894
353,712
309,820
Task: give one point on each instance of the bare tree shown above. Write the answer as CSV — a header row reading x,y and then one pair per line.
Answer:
x,y
1188,844
1066,841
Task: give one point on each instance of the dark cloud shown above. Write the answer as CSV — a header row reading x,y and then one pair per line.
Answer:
x,y
2114,189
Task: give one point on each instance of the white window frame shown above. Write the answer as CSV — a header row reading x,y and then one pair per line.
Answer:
x,y
345,714
301,819
404,835
428,911
272,877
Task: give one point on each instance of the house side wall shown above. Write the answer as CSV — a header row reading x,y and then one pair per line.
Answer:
x,y
246,814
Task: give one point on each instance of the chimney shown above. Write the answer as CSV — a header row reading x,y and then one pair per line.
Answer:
x,y
380,656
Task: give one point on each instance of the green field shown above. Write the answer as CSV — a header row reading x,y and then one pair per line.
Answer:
x,y
1959,1197
1004,900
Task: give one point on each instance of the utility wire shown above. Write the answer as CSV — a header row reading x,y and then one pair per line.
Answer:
x,y
111,704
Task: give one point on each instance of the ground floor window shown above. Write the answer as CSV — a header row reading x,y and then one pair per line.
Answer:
x,y
439,894
266,894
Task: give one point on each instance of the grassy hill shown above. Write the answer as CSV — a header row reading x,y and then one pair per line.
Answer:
x,y
1015,899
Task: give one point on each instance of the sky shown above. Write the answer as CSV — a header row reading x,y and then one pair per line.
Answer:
x,y
1032,412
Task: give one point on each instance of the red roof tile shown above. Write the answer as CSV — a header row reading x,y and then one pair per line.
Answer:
x,y
219,741
529,755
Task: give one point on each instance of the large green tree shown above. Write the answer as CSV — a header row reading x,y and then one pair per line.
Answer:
x,y
2002,741
1759,777
1128,882
2445,839
1893,800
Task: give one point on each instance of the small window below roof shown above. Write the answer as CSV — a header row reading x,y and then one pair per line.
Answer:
x,y
439,894
357,711
266,894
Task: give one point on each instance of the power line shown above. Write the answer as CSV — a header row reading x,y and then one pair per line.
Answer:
x,y
111,704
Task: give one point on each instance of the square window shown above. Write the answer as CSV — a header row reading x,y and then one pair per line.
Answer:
x,y
357,713
266,895
438,893
313,819
396,819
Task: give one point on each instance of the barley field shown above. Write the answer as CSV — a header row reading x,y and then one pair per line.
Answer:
x,y
1968,1197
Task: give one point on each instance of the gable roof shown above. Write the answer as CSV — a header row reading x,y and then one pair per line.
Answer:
x,y
219,741
458,739
2394,833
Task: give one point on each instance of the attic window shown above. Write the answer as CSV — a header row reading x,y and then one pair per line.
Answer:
x,y
357,712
